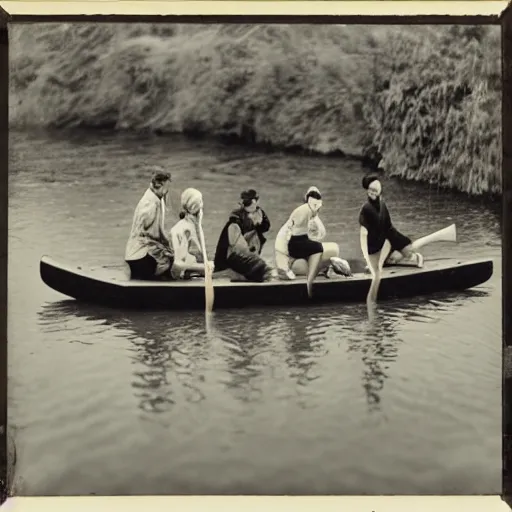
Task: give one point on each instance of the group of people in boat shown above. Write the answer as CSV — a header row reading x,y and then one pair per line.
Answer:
x,y
300,249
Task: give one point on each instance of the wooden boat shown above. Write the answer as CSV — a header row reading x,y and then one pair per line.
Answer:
x,y
112,286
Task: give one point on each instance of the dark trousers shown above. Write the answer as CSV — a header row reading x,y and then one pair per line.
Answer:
x,y
143,269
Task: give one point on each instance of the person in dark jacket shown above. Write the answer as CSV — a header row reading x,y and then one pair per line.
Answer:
x,y
242,239
378,237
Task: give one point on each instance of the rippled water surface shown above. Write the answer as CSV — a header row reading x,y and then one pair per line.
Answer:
x,y
309,401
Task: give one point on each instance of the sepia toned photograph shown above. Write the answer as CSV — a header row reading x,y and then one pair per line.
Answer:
x,y
258,259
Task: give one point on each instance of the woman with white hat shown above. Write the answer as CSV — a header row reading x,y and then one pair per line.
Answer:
x,y
185,239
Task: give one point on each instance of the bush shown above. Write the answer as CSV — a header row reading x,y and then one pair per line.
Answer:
x,y
424,102
435,112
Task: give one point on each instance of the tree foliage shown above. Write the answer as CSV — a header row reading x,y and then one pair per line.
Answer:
x,y
434,114
423,101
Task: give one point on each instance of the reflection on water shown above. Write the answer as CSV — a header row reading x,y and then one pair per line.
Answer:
x,y
377,346
169,350
378,340
305,400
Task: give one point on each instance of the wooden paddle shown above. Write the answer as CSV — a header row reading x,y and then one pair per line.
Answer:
x,y
208,279
162,216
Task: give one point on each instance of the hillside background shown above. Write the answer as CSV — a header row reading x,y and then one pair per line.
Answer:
x,y
422,103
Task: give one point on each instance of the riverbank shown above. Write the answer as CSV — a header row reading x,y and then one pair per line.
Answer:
x,y
421,103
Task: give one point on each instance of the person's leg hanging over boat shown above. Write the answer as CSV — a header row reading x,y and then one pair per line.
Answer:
x,y
376,264
302,247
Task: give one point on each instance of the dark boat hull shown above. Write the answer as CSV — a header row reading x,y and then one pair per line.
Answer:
x,y
103,287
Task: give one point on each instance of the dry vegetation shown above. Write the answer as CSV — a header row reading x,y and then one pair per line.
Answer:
x,y
423,102
435,114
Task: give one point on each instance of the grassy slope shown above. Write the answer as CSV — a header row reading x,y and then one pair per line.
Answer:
x,y
385,92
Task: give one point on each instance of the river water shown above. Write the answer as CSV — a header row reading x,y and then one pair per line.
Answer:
x,y
306,401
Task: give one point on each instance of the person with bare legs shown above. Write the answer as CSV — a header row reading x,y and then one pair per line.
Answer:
x,y
378,236
300,254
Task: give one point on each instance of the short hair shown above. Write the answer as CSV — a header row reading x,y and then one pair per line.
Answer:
x,y
158,175
247,196
314,193
367,180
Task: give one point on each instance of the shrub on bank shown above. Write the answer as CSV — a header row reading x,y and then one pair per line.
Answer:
x,y
286,86
435,113
423,100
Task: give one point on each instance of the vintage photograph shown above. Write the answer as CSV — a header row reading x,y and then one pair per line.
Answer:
x,y
255,259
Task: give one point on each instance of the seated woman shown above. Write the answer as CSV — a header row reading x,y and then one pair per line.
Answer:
x,y
242,239
378,236
148,251
299,250
188,255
